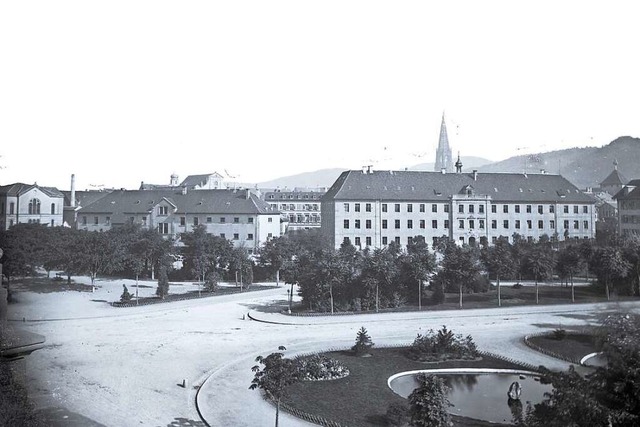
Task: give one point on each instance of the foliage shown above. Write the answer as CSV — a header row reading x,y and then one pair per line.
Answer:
x,y
397,414
163,282
211,282
363,342
442,345
429,403
559,334
126,295
15,407
320,368
204,252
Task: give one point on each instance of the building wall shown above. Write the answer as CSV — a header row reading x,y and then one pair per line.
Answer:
x,y
299,209
50,211
629,216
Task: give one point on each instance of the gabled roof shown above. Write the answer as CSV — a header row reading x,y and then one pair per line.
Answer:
x,y
630,191
193,202
435,186
198,180
614,178
19,188
84,198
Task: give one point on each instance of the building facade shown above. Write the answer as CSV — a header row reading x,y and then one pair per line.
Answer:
x,y
236,215
372,209
628,199
300,210
23,203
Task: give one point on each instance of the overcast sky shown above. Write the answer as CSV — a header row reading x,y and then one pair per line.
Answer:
x,y
120,92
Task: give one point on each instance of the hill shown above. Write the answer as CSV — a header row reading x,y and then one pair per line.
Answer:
x,y
319,178
469,162
584,167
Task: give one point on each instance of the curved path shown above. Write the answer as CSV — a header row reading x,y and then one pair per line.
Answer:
x,y
125,367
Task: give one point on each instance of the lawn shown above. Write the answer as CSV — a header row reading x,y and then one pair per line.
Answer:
x,y
362,398
573,346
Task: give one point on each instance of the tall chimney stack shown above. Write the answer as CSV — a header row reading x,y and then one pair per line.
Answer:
x,y
73,190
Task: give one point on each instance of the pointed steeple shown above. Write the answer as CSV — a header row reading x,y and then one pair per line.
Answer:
x,y
443,153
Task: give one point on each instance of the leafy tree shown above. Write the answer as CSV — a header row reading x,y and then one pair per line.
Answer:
x,y
204,252
540,262
163,282
569,263
275,374
459,268
428,404
363,342
241,264
379,276
609,265
498,260
631,253
100,253
274,253
417,265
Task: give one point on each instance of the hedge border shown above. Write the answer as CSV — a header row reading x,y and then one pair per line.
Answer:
x,y
550,353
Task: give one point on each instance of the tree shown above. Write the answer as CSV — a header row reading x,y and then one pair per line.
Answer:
x,y
540,262
204,252
569,263
275,374
498,261
459,268
126,295
363,342
609,265
274,253
428,404
163,282
417,265
631,253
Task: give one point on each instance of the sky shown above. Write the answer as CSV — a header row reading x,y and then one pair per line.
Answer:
x,y
121,92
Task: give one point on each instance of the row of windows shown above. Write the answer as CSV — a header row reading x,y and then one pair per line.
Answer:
x,y
163,228
462,208
630,219
398,240
462,224
292,207
33,209
630,204
222,220
385,223
297,196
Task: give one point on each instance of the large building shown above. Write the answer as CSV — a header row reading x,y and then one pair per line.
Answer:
x,y
300,209
24,203
236,215
374,208
628,199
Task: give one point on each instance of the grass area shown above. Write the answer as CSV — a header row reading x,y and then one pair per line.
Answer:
x,y
45,285
573,345
362,398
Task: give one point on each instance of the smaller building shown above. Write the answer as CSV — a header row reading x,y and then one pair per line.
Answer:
x,y
300,208
628,199
24,203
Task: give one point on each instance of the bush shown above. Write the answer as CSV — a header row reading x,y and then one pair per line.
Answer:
x,y
126,295
429,403
320,368
397,415
517,286
442,345
559,334
363,342
211,283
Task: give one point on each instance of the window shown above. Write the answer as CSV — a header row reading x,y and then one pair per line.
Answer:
x,y
472,224
481,224
196,220
384,223
540,224
163,228
585,225
566,209
517,208
356,207
423,223
576,224
529,224
494,224
481,209
397,240
540,209
236,220
461,223
434,223
552,209
223,235
34,206
585,209
53,223
505,208
368,241
494,239
409,223
250,236
397,223
223,220
409,207
461,208
367,224
384,240
357,241
446,208
446,223
505,223
384,207
422,207
409,240
517,225
250,220
528,208
575,209
566,224
397,207
269,236
53,208
210,219
269,219
163,210
95,220
552,224
346,241
367,207
12,207
107,220
346,223
84,220
183,221
236,236
471,208
494,208
357,223
346,207
434,208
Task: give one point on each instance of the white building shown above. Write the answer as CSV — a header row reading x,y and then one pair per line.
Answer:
x,y
24,203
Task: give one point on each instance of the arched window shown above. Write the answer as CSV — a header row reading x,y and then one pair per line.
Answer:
x,y
34,207
53,208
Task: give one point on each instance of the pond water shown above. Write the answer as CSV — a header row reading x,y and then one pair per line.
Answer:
x,y
482,396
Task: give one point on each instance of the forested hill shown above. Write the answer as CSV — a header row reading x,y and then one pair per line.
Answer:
x,y
584,167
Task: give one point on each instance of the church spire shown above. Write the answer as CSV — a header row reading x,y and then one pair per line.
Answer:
x,y
443,153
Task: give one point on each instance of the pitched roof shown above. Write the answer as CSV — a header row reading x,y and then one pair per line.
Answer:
x,y
84,198
193,202
198,180
19,188
614,178
436,186
630,191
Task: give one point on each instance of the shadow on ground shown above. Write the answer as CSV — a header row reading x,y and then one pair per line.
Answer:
x,y
273,306
183,422
60,417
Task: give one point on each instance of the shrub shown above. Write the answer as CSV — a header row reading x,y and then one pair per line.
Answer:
x,y
429,403
442,345
320,368
559,334
363,342
211,283
397,414
126,295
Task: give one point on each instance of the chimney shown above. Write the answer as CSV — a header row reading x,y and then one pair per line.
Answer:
x,y
248,194
475,174
543,172
73,190
443,171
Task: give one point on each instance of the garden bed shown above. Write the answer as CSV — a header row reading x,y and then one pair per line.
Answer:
x,y
571,348
362,398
